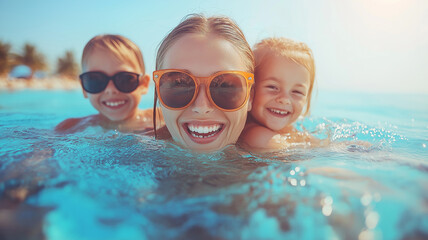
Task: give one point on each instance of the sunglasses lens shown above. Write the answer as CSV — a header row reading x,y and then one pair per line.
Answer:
x,y
176,89
228,91
94,82
126,82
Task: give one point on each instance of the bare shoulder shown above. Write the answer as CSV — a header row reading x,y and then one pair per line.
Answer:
x,y
146,112
163,133
257,136
67,124
74,124
143,122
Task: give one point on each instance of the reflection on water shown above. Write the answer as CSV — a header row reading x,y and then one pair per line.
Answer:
x,y
100,184
108,185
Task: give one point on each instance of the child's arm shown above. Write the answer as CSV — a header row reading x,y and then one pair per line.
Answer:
x,y
262,139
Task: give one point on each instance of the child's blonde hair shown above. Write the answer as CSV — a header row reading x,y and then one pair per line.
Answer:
x,y
298,52
223,27
121,47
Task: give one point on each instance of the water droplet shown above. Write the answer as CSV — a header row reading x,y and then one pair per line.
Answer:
x,y
377,197
366,199
328,200
372,219
366,235
326,210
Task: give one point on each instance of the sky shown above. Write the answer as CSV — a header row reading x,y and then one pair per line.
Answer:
x,y
376,46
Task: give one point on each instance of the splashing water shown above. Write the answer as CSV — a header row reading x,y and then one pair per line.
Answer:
x,y
99,184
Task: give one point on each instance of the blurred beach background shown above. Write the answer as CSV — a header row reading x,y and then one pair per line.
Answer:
x,y
371,46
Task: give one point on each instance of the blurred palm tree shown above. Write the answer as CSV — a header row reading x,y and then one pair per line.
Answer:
x,y
31,58
5,59
67,66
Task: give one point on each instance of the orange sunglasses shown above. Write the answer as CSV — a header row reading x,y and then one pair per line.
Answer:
x,y
227,90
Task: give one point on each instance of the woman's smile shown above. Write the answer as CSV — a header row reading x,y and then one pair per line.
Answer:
x,y
203,132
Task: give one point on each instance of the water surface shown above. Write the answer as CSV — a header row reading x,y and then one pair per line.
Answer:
x,y
99,184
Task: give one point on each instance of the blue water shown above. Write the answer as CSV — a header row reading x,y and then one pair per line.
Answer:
x,y
99,184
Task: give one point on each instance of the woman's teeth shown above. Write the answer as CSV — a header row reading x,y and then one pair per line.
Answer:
x,y
115,104
279,111
203,131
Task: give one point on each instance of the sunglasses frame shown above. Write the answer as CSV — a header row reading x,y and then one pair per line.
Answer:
x,y
110,78
249,77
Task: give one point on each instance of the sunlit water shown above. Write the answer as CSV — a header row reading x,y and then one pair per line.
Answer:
x,y
100,184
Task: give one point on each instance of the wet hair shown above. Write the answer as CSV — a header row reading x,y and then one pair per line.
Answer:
x,y
220,26
298,52
121,47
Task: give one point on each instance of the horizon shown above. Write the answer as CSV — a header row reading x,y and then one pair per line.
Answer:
x,y
363,46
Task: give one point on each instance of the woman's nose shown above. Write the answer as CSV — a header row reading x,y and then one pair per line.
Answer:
x,y
202,104
111,88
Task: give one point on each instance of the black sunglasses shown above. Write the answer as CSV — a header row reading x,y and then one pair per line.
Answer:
x,y
96,82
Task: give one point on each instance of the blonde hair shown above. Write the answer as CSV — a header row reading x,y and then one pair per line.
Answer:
x,y
121,47
298,52
223,27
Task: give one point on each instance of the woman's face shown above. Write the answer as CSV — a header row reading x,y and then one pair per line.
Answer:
x,y
202,126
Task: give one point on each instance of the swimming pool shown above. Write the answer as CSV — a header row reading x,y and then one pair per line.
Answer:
x,y
100,184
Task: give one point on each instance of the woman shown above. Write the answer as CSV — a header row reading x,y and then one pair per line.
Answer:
x,y
204,73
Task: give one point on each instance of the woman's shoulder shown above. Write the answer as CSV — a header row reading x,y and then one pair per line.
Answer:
x,y
161,133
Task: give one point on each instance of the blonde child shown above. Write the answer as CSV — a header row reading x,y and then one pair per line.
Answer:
x,y
113,80
284,79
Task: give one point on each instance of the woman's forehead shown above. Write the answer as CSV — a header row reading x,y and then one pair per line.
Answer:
x,y
203,55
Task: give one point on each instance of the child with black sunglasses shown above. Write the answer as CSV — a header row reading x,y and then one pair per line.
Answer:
x,y
113,80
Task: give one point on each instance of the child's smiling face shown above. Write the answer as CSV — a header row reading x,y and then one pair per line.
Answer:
x,y
280,93
112,103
